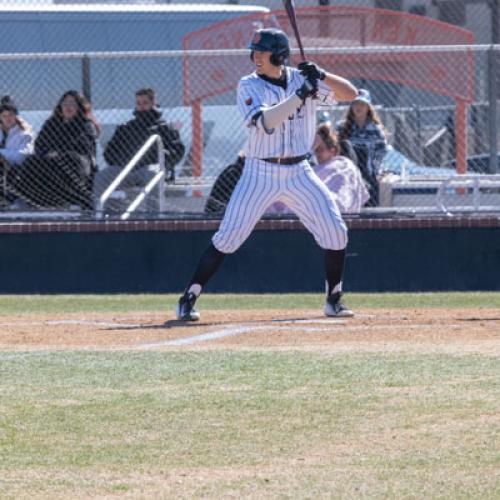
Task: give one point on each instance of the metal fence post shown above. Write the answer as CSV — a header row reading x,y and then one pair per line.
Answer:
x,y
86,84
161,168
418,120
492,98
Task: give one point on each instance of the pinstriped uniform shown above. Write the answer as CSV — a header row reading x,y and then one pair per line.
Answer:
x,y
296,135
263,183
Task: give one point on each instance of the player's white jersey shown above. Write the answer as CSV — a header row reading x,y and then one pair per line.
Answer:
x,y
295,136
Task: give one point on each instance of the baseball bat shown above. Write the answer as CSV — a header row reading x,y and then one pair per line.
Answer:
x,y
290,10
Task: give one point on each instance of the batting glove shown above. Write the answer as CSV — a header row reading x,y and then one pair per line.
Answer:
x,y
308,88
312,70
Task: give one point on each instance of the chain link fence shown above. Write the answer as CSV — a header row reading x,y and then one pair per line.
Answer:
x,y
435,92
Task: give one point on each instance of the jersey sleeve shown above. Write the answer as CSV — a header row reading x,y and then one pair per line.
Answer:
x,y
325,94
250,104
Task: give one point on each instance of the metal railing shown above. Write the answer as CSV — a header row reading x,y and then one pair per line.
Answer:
x,y
438,194
159,177
485,189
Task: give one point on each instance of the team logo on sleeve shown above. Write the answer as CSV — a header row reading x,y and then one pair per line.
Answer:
x,y
248,101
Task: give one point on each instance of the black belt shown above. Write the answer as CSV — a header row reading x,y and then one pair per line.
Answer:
x,y
287,161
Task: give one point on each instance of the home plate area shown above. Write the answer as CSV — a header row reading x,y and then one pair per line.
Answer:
x,y
371,330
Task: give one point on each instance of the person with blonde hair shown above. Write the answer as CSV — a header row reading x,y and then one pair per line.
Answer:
x,y
363,128
16,143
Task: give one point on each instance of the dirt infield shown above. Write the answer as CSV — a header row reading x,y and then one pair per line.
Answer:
x,y
372,330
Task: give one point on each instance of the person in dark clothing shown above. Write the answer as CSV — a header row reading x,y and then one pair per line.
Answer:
x,y
224,186
344,146
129,137
60,172
347,150
363,128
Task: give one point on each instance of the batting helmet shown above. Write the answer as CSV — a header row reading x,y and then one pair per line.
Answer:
x,y
271,40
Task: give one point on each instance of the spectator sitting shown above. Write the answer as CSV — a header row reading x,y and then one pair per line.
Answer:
x,y
16,143
129,137
61,170
337,171
224,186
345,147
363,128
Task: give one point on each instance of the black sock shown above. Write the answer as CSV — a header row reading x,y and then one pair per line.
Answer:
x,y
334,267
209,262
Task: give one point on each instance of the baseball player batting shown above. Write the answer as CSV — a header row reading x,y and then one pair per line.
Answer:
x,y
278,106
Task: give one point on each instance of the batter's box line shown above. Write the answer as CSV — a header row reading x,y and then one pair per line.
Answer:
x,y
232,332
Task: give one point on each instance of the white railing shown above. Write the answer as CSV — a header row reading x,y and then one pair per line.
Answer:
x,y
384,49
145,190
459,186
437,194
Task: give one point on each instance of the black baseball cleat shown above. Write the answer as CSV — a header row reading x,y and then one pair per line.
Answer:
x,y
335,307
185,308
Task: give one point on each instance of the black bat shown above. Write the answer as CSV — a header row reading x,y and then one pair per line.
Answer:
x,y
290,10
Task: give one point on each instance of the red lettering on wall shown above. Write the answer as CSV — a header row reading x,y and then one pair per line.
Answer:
x,y
385,30
410,35
378,29
393,32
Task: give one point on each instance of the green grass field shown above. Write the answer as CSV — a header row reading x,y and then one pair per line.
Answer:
x,y
256,424
28,304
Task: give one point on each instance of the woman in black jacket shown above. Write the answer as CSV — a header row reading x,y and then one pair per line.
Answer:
x,y
60,172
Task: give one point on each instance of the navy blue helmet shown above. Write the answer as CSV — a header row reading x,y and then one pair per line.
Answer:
x,y
271,40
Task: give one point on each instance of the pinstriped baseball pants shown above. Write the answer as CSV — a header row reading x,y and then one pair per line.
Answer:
x,y
263,183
